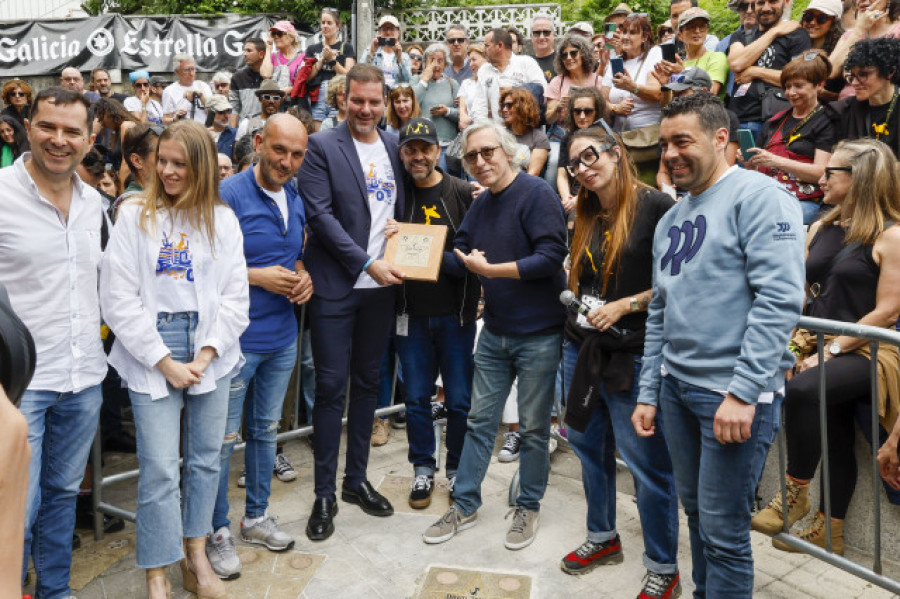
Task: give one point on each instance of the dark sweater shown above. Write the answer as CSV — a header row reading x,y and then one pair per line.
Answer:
x,y
524,224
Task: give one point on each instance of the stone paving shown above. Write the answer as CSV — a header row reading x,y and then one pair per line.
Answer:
x,y
385,557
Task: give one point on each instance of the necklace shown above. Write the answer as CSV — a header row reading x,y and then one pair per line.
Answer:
x,y
795,134
881,128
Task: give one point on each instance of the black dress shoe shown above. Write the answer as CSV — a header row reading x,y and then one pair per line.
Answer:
x,y
371,501
321,521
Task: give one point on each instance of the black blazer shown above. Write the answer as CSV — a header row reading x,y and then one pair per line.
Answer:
x,y
333,189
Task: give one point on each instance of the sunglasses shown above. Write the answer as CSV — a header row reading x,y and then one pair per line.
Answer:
x,y
271,97
506,106
485,153
584,111
18,94
415,57
456,40
830,170
226,111
144,84
542,33
807,56
665,31
745,6
571,54
820,18
588,157
277,33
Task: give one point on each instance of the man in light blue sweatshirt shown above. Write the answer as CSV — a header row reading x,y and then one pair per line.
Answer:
x,y
727,290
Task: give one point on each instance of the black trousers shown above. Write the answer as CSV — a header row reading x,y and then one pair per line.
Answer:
x,y
349,336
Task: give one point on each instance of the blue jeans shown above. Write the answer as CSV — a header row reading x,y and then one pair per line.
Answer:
x,y
321,109
716,485
61,427
165,515
257,391
812,210
650,465
499,359
436,343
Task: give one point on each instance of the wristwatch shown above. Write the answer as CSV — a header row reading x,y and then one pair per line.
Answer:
x,y
635,306
834,348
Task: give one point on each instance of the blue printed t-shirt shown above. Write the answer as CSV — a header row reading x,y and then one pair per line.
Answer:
x,y
269,240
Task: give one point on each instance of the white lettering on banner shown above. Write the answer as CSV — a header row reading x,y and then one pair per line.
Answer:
x,y
194,45
232,43
37,49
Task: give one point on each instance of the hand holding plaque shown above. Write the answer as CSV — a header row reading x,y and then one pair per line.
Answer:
x,y
417,250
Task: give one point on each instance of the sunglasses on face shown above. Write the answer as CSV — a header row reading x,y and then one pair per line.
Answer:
x,y
277,33
584,111
485,153
830,170
541,33
665,31
270,97
415,57
570,55
456,40
17,94
820,18
144,84
226,111
506,106
745,6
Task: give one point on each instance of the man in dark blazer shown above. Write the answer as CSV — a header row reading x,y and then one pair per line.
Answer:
x,y
349,183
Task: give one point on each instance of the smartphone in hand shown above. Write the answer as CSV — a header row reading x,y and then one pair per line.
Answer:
x,y
617,65
668,52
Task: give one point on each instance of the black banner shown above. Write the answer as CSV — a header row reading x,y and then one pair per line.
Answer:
x,y
126,42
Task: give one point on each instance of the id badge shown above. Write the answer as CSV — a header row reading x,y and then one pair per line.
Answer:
x,y
741,91
591,302
403,325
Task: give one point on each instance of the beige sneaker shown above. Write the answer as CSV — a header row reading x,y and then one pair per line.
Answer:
x,y
450,523
381,430
523,528
815,534
769,520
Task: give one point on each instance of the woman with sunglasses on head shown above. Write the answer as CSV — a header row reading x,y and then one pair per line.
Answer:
x,y
585,106
873,68
822,21
17,95
332,57
853,275
575,64
611,272
283,57
874,19
519,111
139,153
173,288
402,106
142,105
796,143
416,56
13,140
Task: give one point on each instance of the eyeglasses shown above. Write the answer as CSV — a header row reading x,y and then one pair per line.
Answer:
x,y
144,84
570,55
506,106
588,157
820,18
665,31
584,111
415,57
271,97
745,6
18,94
485,153
277,33
860,76
807,56
830,170
189,70
456,40
542,33
226,111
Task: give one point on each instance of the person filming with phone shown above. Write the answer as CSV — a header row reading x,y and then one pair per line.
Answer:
x,y
386,53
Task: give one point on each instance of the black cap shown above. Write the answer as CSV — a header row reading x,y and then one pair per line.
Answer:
x,y
418,129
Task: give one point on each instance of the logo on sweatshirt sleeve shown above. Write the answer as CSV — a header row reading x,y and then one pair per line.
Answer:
x,y
784,232
684,243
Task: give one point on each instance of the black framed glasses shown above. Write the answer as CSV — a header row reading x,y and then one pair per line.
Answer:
x,y
745,6
542,33
226,111
587,158
860,76
456,40
584,111
820,18
17,94
570,55
664,31
276,33
144,84
486,153
830,170
506,106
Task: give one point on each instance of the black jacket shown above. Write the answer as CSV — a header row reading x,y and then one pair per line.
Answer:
x,y
456,197
849,119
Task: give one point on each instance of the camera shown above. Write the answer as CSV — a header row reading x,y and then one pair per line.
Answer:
x,y
387,41
17,353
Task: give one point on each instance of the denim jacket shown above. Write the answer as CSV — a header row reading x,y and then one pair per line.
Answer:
x,y
405,72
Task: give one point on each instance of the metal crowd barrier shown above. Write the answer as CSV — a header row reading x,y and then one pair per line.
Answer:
x,y
99,482
874,335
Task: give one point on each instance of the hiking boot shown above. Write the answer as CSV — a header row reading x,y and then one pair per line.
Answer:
x,y
769,520
381,429
283,469
590,555
222,555
660,586
510,450
523,528
815,534
266,532
420,494
450,523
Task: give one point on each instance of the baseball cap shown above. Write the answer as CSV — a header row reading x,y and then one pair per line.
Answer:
x,y
584,28
691,14
418,129
218,103
283,26
157,80
692,78
832,8
388,19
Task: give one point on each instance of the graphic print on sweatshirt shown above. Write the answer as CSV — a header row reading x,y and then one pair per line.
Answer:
x,y
380,184
175,259
684,243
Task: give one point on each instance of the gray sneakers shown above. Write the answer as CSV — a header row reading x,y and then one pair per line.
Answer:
x,y
450,523
222,555
523,528
266,532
